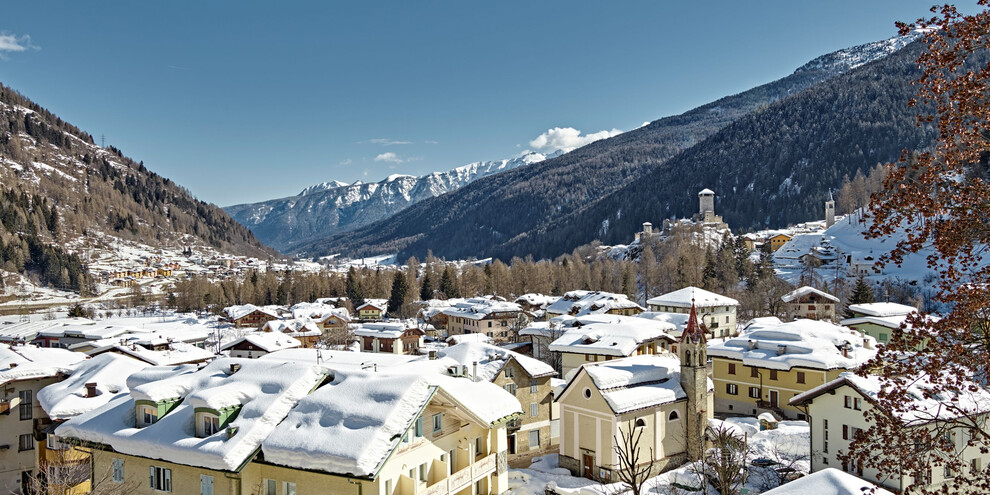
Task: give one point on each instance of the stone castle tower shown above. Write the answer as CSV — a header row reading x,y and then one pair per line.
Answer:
x,y
692,350
706,202
829,211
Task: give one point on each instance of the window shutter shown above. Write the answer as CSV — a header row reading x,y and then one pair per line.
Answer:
x,y
167,485
845,432
151,476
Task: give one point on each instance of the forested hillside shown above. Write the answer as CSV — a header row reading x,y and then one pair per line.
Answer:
x,y
513,213
58,185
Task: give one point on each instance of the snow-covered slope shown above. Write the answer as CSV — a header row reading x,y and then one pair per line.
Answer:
x,y
850,58
333,207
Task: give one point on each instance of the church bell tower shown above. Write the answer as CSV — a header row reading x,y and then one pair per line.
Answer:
x,y
692,351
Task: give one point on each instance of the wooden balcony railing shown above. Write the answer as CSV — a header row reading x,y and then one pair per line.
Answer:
x,y
459,480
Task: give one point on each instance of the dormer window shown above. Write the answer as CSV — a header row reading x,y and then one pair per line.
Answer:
x,y
212,421
149,415
148,412
211,424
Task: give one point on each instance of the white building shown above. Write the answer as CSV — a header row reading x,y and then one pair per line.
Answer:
x,y
717,312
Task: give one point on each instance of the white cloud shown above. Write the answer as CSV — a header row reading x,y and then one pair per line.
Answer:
x,y
567,139
12,43
388,157
386,142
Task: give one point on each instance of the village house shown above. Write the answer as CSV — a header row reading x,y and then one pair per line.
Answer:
x,y
255,345
535,305
494,318
878,320
389,337
249,315
307,332
810,303
527,379
665,399
583,302
777,241
156,351
717,313
372,310
274,427
772,361
603,337
837,410
24,371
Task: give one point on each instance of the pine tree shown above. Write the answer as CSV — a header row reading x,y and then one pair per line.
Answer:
x,y
448,283
353,288
426,290
862,293
399,290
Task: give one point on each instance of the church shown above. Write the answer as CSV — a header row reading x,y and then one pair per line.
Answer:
x,y
663,400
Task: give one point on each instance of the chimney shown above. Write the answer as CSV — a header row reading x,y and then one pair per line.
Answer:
x,y
234,368
781,349
867,343
91,389
752,344
474,377
433,355
13,365
845,350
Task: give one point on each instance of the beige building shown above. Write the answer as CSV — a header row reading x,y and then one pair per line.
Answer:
x,y
716,312
810,303
664,401
389,337
277,427
494,318
837,410
770,362
603,337
527,379
24,371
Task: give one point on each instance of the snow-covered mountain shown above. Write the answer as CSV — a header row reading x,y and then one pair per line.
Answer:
x,y
849,58
333,207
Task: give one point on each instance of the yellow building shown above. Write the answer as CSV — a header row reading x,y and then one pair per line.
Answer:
x,y
283,428
663,401
372,310
771,362
778,241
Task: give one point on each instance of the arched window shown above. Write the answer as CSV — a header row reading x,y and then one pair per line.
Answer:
x,y
673,416
587,393
640,423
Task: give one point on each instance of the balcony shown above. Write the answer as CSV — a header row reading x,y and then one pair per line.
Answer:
x,y
463,478
4,407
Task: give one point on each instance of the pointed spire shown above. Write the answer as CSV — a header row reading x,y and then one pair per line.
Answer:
x,y
830,195
693,330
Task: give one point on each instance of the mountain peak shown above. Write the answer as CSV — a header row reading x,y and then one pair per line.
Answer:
x,y
850,58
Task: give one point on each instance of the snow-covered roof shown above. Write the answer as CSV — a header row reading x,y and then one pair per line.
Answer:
x,y
636,382
679,320
804,291
108,371
801,343
266,341
925,404
177,353
612,335
265,389
469,337
491,360
313,311
706,191
238,312
583,302
27,362
351,425
386,330
682,298
828,481
479,308
539,300
379,304
892,322
295,327
882,309
27,331
345,360
88,331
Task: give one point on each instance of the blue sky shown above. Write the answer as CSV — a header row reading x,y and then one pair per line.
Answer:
x,y
246,101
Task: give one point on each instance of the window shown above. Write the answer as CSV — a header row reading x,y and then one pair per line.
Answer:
x,y
422,472
673,416
205,485
534,439
773,374
754,373
587,393
800,377
754,392
149,415
974,466
412,474
533,386
118,471
845,432
640,423
26,407
55,442
25,442
534,409
419,427
510,388
857,404
405,437
388,487
479,446
160,478
271,487
883,337
510,372
732,368
437,422
731,389
211,424
847,402
825,447
288,488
